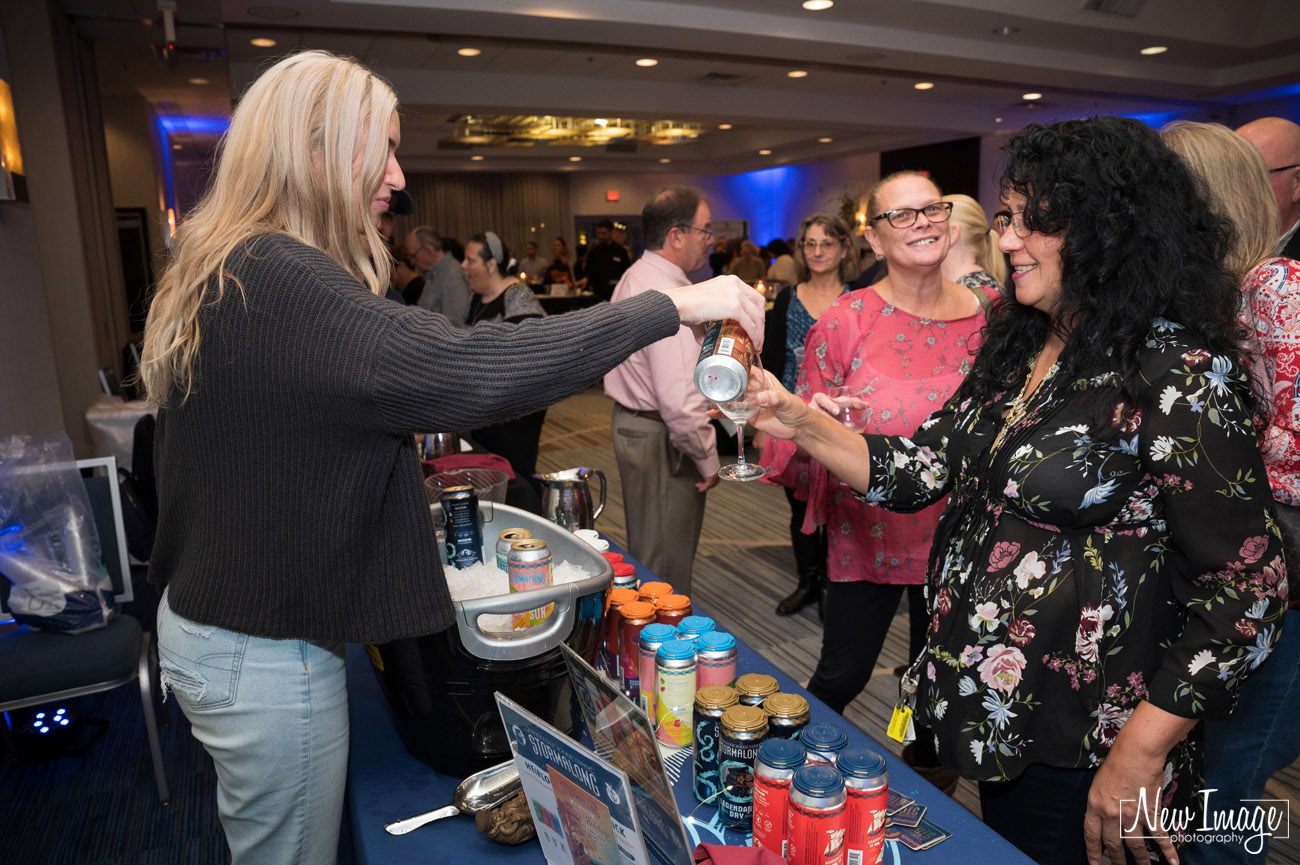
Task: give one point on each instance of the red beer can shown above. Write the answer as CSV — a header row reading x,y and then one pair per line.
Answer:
x,y
774,769
866,782
817,815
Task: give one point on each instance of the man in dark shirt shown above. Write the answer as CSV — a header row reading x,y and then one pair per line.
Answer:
x,y
606,262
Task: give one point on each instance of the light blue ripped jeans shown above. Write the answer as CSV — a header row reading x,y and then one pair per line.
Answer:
x,y
274,716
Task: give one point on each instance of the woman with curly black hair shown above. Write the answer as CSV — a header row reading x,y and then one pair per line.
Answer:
x,y
1084,616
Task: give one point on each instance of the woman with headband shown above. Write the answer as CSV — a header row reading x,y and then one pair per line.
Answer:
x,y
500,297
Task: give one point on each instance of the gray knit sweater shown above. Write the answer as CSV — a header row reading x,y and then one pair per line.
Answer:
x,y
291,500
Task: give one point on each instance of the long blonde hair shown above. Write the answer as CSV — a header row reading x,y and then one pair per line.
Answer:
x,y
975,234
283,167
1234,180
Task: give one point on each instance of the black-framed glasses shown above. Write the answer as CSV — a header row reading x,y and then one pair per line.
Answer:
x,y
828,245
1284,168
905,217
707,232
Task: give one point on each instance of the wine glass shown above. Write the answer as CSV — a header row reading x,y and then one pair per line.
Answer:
x,y
852,407
740,410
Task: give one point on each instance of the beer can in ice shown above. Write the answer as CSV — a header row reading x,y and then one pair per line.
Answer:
x,y
464,536
504,540
529,568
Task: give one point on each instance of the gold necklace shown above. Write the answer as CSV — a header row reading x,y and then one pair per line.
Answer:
x,y
1015,413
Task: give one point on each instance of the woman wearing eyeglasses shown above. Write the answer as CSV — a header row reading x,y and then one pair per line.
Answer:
x,y
824,264
900,347
1106,571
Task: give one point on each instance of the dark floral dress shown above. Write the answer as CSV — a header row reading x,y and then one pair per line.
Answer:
x,y
1072,578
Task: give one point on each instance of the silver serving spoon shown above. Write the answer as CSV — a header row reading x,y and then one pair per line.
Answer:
x,y
479,792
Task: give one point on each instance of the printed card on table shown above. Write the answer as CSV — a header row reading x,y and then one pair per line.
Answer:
x,y
581,805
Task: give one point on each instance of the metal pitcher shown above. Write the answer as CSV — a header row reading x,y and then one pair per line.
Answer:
x,y
566,497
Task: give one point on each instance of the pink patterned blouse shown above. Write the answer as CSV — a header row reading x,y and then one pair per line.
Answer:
x,y
1274,292
906,367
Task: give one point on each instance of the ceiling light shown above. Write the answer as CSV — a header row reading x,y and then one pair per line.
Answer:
x,y
476,159
647,61
825,140
262,42
575,158
997,119
665,161
1005,30
1153,49
817,5
764,153
923,85
796,73
177,146
198,81
469,52
1030,97
724,125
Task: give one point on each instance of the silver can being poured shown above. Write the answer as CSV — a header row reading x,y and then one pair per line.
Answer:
x,y
722,372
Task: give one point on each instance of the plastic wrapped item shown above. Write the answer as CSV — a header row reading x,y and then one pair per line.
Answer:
x,y
49,548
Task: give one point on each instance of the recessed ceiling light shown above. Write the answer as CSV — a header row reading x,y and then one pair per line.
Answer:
x,y
665,161
575,158
817,5
796,73
177,146
469,52
824,140
764,153
198,81
647,61
724,125
923,85
1153,49
1030,97
476,159
1005,30
997,119
262,42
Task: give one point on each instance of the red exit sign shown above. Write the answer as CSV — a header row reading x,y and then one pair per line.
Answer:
x,y
611,195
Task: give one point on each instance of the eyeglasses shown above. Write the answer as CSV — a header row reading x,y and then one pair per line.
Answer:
x,y
905,217
1002,220
707,232
811,246
1284,168
1017,223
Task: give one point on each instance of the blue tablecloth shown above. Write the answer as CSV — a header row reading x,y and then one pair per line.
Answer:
x,y
385,783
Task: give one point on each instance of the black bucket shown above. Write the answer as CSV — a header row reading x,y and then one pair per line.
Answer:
x,y
441,687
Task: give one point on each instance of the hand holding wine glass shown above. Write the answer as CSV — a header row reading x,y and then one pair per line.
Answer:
x,y
739,411
851,408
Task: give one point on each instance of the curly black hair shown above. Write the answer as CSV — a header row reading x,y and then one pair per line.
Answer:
x,y
1139,243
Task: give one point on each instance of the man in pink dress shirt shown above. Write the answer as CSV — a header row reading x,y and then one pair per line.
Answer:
x,y
667,456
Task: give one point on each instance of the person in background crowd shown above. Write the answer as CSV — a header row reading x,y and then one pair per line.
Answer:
x,y
720,257
1083,619
1278,141
531,267
292,513
749,266
665,446
620,237
973,260
1261,737
445,289
560,270
499,297
407,280
606,262
825,263
900,347
783,268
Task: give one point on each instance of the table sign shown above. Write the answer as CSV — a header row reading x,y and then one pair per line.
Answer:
x,y
621,733
580,804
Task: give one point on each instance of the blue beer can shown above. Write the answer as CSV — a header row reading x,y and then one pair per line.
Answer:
x,y
464,537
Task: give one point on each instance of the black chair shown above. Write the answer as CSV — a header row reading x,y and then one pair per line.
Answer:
x,y
39,667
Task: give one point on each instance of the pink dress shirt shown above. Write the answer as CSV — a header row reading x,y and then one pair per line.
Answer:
x,y
661,376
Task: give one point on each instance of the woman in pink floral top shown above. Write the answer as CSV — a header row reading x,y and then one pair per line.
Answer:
x,y
1243,752
903,346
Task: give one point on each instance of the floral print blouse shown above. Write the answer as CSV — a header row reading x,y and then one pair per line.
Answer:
x,y
1072,578
1273,291
905,367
